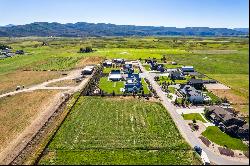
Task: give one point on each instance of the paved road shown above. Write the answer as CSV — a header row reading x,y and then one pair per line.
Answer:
x,y
184,128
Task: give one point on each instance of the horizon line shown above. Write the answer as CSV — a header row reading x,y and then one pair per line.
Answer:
x,y
117,24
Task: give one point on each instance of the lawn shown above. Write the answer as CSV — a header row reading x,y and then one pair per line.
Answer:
x,y
168,80
215,135
193,116
118,131
110,86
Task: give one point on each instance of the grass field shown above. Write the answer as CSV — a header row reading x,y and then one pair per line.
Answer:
x,y
18,111
115,131
214,134
193,116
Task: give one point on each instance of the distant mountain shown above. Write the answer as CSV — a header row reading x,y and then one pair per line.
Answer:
x,y
9,25
246,30
83,29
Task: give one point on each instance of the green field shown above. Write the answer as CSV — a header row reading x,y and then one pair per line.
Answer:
x,y
214,134
114,131
221,58
193,116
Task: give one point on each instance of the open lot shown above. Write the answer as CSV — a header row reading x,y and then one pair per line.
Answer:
x,y
18,111
9,82
106,130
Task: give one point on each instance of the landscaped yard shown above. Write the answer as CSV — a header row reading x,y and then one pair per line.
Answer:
x,y
118,131
110,86
215,135
193,116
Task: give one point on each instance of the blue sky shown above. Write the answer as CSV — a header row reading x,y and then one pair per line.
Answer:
x,y
172,13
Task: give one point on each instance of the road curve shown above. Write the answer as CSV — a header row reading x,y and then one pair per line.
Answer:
x,y
184,128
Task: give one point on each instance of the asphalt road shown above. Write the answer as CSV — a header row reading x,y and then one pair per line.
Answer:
x,y
184,128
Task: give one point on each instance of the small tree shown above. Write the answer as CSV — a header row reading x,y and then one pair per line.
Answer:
x,y
176,101
194,120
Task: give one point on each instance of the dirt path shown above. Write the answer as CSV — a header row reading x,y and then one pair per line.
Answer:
x,y
17,145
44,85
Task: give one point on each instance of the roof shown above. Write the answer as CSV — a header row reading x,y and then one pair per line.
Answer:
x,y
115,72
115,76
221,112
187,67
195,81
88,68
187,89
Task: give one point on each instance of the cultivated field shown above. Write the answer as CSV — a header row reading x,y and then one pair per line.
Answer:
x,y
117,131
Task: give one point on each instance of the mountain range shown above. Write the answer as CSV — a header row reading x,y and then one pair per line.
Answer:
x,y
83,29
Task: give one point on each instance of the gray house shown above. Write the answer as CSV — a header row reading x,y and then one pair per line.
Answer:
x,y
193,95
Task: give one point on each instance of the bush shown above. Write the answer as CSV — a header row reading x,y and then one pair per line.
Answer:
x,y
226,151
205,141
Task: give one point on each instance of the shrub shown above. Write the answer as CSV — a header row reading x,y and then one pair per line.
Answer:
x,y
226,151
205,141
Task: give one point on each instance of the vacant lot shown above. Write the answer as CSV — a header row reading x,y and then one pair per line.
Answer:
x,y
8,82
17,112
104,131
64,83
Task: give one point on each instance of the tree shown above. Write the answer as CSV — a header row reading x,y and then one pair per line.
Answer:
x,y
86,50
142,93
194,120
176,101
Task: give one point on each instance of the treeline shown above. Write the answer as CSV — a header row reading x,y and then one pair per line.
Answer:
x,y
83,29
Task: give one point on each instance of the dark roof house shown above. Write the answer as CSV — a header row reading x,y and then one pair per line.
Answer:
x,y
196,83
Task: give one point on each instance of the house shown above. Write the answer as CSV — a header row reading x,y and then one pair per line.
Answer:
x,y
115,75
160,68
229,122
133,83
196,83
20,52
187,69
88,70
193,95
176,75
119,61
107,63
174,63
128,69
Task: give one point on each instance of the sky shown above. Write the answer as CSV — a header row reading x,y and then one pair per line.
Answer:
x,y
169,13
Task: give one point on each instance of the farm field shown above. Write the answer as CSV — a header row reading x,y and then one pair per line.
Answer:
x,y
18,111
117,131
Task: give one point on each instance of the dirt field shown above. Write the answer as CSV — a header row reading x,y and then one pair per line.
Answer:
x,y
63,83
89,61
240,103
18,111
8,82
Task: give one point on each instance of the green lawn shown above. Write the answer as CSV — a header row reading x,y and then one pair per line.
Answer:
x,y
215,135
110,86
114,131
213,97
192,116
